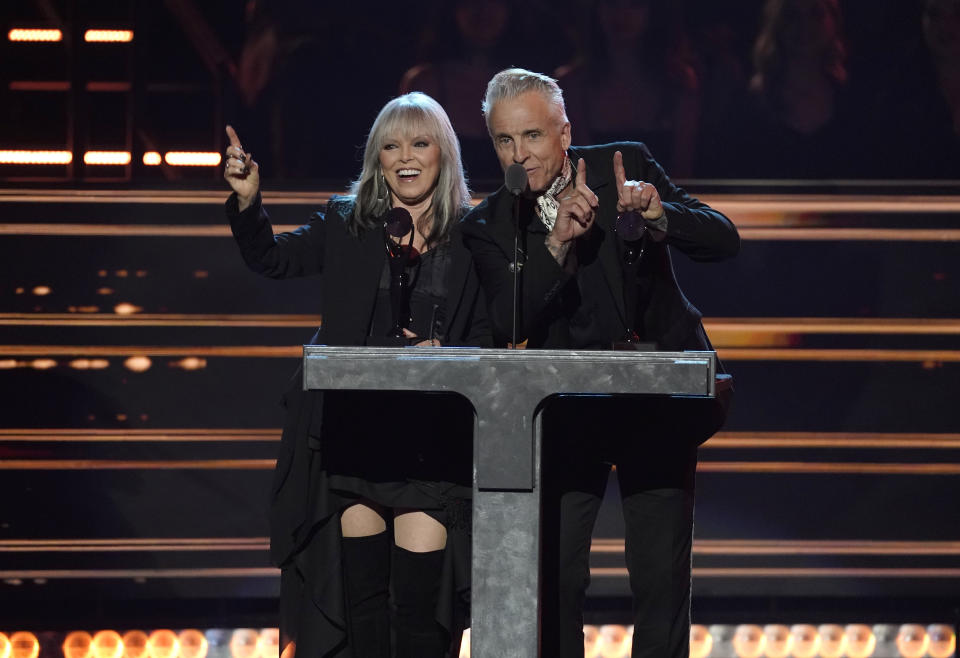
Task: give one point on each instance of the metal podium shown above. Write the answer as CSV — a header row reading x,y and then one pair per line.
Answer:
x,y
507,389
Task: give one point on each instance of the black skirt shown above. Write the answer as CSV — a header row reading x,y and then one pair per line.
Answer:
x,y
399,450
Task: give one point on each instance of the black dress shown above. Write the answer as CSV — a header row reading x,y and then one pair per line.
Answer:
x,y
403,450
400,450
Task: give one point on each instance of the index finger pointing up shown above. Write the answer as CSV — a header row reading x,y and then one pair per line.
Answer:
x,y
232,135
581,174
618,171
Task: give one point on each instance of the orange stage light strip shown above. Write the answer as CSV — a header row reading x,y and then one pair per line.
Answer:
x,y
156,320
857,440
788,572
192,158
128,465
135,541
108,86
700,546
106,157
133,574
745,210
245,351
801,546
128,230
168,197
39,85
848,468
787,234
152,158
786,354
807,204
603,572
30,157
851,234
34,35
132,545
784,234
108,36
824,547
291,351
138,435
935,326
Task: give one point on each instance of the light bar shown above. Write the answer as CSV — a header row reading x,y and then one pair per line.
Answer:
x,y
25,34
152,158
106,157
39,85
36,157
108,36
192,158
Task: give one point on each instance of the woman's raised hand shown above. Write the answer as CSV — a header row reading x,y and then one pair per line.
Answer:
x,y
241,171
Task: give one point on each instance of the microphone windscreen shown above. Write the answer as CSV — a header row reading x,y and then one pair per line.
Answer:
x,y
515,179
630,226
398,222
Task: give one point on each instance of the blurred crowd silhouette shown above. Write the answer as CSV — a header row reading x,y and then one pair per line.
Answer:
x,y
770,89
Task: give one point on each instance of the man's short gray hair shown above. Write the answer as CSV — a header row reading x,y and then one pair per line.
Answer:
x,y
510,83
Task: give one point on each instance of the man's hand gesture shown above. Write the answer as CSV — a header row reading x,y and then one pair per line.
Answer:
x,y
637,196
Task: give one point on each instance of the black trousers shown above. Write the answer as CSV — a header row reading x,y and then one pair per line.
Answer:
x,y
655,465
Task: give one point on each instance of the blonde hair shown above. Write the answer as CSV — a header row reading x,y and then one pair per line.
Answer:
x,y
411,114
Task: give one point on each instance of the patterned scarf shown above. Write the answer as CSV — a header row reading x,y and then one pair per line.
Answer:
x,y
547,204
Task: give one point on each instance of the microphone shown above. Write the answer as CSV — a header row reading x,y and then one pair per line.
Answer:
x,y
398,222
631,228
515,180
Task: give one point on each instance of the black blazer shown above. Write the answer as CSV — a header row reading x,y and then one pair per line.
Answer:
x,y
351,269
666,316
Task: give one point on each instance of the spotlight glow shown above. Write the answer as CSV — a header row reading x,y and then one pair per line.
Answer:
x,y
107,644
193,644
138,364
163,643
108,36
24,644
78,644
268,646
244,643
28,157
26,34
134,644
126,308
701,642
192,158
107,157
152,158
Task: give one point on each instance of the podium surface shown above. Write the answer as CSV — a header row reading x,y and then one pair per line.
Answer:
x,y
507,389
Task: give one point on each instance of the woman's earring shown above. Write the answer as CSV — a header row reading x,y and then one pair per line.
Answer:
x,y
382,192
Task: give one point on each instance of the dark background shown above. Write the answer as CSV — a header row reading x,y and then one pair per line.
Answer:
x,y
302,82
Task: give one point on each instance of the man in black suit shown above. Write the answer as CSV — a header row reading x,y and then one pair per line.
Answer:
x,y
571,296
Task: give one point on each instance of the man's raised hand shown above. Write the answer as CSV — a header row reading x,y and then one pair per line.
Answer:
x,y
635,195
578,208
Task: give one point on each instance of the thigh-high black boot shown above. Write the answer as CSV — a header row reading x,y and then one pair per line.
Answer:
x,y
366,569
416,585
